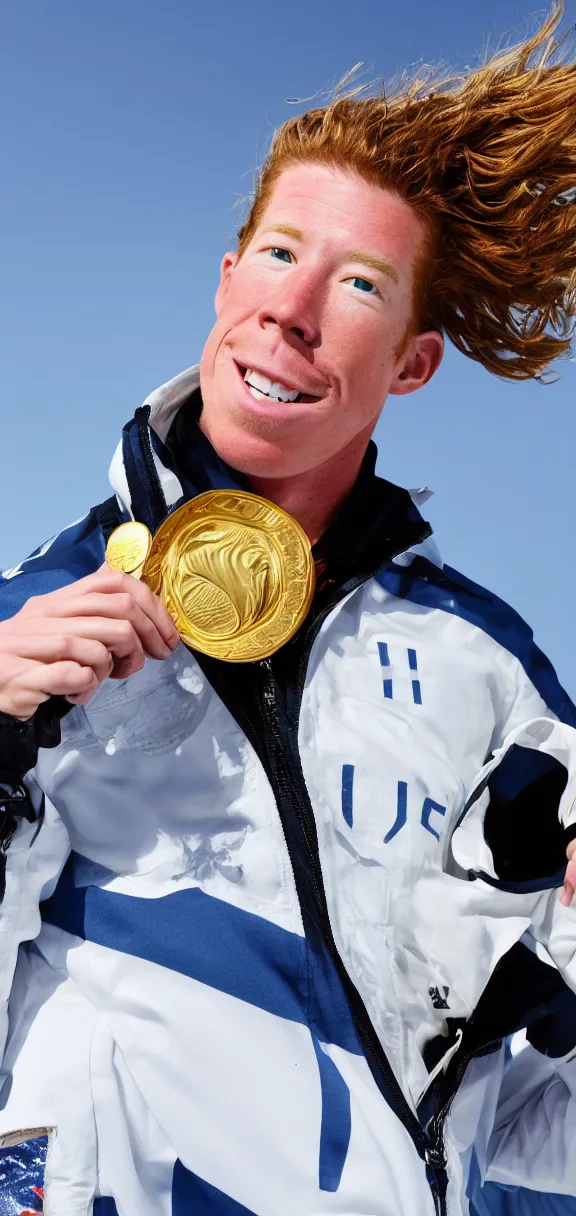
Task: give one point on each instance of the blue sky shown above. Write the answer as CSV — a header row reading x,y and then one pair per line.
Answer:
x,y
133,130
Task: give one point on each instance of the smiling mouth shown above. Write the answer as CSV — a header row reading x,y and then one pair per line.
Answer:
x,y
262,388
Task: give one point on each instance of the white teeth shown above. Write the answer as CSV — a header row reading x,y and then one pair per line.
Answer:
x,y
282,393
269,388
258,381
256,393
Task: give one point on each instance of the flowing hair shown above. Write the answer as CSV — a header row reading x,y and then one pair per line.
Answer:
x,y
488,162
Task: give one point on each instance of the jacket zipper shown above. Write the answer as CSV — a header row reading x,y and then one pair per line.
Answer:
x,y
292,779
429,1145
438,1121
430,1152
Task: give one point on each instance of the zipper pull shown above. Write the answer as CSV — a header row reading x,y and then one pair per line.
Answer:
x,y
434,1157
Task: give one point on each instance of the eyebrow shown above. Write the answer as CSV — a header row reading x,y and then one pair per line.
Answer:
x,y
354,255
368,259
286,230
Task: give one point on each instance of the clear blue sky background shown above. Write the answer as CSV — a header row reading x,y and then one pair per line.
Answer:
x,y
131,129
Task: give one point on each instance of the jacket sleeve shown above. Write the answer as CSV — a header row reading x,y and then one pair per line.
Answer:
x,y
33,840
75,552
520,813
531,783
519,835
19,744
32,864
537,1098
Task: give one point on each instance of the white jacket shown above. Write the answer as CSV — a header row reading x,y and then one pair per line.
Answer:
x,y
190,1047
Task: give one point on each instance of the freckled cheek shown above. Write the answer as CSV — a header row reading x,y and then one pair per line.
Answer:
x,y
362,342
364,357
236,310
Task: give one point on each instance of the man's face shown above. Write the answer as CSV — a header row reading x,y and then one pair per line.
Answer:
x,y
317,305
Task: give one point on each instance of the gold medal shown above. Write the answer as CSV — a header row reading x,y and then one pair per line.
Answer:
x,y
128,547
235,572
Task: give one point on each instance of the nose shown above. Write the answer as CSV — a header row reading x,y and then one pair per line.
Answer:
x,y
294,308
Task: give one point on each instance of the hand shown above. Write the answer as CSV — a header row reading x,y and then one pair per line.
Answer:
x,y
570,880
67,642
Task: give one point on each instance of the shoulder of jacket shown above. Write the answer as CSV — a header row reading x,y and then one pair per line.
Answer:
x,y
69,555
430,586
435,584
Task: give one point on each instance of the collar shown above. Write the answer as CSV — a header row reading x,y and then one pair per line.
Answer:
x,y
165,459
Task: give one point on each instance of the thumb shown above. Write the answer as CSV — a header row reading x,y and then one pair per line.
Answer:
x,y
569,888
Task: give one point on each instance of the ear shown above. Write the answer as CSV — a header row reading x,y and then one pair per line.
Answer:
x,y
226,268
416,366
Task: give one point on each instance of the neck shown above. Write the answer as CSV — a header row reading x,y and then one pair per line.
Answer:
x,y
313,498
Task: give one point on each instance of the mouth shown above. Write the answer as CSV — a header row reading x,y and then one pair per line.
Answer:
x,y
262,388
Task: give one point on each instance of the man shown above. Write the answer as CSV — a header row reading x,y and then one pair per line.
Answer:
x,y
270,944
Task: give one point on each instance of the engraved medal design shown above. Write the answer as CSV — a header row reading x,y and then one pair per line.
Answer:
x,y
128,547
235,572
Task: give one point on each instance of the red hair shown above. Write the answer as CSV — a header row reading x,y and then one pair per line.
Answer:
x,y
488,162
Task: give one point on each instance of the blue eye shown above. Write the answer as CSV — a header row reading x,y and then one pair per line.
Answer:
x,y
363,285
283,255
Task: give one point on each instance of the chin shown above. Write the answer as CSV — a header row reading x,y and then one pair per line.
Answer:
x,y
252,455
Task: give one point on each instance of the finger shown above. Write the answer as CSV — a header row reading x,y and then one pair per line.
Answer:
x,y
57,646
117,636
569,888
118,606
150,603
64,679
103,579
115,619
108,582
124,611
